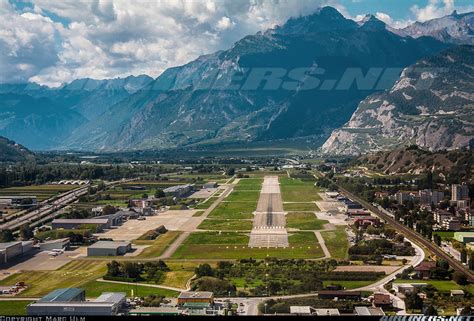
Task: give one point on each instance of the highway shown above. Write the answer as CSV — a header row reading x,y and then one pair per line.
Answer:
x,y
410,234
49,207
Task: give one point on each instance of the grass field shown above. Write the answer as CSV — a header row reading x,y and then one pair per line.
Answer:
x,y
249,184
13,307
243,196
296,190
304,221
295,207
95,288
158,246
445,235
42,192
226,225
234,210
233,245
348,285
336,242
73,274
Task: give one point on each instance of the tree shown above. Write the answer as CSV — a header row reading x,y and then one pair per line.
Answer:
x,y
159,193
460,278
463,255
113,268
26,232
413,301
466,311
430,310
131,270
145,196
204,270
6,236
109,209
230,171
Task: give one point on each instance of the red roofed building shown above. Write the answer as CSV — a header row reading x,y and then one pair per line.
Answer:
x,y
381,300
423,271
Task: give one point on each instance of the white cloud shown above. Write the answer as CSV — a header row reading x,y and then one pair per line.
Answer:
x,y
397,24
434,9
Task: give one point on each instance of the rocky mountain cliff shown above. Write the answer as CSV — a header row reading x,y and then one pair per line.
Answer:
x,y
213,99
454,28
431,105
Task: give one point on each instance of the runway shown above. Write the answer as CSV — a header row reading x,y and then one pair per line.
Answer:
x,y
269,218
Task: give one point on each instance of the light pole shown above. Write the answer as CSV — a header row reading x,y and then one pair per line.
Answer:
x,y
265,304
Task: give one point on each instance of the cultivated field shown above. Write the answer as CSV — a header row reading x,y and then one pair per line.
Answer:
x,y
42,192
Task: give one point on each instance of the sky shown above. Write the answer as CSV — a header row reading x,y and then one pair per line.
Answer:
x,y
52,42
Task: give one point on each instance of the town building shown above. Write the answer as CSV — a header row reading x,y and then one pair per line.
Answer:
x,y
464,237
407,288
402,197
469,217
368,311
382,300
11,250
423,270
459,192
196,299
442,215
428,197
71,301
452,224
109,248
58,244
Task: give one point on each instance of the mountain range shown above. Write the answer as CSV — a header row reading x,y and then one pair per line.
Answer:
x,y
199,103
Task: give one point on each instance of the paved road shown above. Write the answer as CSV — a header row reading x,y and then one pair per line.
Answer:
x,y
48,209
269,219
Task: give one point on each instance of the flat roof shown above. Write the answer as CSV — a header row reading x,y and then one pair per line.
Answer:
x,y
108,244
17,197
110,297
176,188
9,244
366,311
329,312
82,221
303,309
62,295
196,295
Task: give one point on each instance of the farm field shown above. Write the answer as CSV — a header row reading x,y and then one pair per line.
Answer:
x,y
158,246
42,192
297,190
73,274
304,221
348,285
336,242
233,245
303,207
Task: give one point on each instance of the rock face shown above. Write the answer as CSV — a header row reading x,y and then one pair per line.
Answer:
x,y
180,109
431,105
454,28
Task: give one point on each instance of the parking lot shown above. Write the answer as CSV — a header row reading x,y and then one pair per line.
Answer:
x,y
173,220
36,261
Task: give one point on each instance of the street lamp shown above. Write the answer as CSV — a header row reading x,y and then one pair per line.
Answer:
x,y
265,307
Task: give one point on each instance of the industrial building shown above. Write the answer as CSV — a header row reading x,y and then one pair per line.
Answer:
x,y
464,237
109,248
196,298
368,311
18,201
210,185
71,301
11,250
178,190
101,223
58,244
